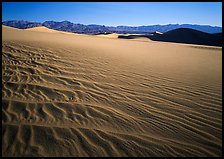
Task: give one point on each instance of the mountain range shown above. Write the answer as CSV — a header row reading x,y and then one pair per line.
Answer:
x,y
97,29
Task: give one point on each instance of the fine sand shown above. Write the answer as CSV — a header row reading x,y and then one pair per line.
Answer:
x,y
83,95
43,29
112,35
47,30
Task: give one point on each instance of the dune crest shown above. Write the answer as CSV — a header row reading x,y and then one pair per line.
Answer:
x,y
47,30
43,29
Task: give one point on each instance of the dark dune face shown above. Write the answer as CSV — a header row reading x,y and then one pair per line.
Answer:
x,y
189,36
134,36
184,35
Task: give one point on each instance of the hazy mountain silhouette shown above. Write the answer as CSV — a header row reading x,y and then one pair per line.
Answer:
x,y
61,26
21,24
179,35
168,27
96,29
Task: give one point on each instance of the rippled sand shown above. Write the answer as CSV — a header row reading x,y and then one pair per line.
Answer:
x,y
80,95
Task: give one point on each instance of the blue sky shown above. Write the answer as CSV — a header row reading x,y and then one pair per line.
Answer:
x,y
116,13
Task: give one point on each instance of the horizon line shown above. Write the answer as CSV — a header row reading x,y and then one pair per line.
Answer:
x,y
121,24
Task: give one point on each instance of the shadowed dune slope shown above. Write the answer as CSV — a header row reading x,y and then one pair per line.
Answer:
x,y
131,36
136,37
182,35
190,36
80,95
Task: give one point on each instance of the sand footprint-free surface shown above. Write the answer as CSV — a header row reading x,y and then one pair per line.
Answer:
x,y
82,95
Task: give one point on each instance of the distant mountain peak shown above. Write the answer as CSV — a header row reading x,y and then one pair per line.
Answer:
x,y
95,29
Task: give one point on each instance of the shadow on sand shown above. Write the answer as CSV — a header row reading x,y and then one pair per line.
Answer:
x,y
182,35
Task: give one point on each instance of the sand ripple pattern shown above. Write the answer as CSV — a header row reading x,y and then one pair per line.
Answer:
x,y
61,102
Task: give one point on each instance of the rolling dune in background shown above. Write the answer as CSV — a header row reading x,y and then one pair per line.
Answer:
x,y
47,30
43,29
82,95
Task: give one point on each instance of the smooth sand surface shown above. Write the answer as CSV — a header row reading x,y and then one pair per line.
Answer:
x,y
47,30
112,35
80,95
43,29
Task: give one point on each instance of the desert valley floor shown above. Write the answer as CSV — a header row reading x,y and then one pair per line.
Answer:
x,y
67,94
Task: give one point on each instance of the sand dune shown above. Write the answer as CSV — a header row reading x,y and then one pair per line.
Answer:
x,y
189,36
47,30
135,37
180,35
76,95
112,35
43,29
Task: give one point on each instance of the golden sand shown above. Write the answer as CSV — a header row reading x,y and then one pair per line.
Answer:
x,y
81,95
47,30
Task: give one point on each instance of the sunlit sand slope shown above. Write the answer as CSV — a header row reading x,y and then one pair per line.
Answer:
x,y
47,30
43,29
80,95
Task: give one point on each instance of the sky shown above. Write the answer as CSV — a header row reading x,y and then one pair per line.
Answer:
x,y
116,13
